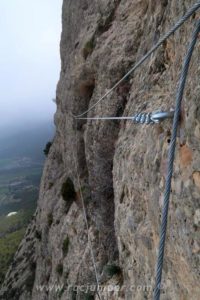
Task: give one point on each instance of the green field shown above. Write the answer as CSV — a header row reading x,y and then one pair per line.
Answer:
x,y
19,173
8,247
21,164
15,222
19,190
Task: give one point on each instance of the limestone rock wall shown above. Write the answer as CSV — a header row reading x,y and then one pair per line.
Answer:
x,y
121,166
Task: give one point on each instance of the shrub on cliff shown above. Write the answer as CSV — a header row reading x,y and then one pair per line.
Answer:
x,y
47,148
112,270
88,48
65,246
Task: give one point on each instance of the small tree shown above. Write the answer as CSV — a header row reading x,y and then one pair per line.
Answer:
x,y
47,148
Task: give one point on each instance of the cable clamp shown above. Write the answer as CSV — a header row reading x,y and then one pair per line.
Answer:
x,y
159,116
152,118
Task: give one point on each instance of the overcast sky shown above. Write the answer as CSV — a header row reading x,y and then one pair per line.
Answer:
x,y
29,59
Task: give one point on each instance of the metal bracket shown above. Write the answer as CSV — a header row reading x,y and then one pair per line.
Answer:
x,y
152,118
160,116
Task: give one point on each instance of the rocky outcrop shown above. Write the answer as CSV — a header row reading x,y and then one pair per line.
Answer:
x,y
121,166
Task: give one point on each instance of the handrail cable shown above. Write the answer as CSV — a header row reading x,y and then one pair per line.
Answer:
x,y
140,118
180,22
171,155
86,221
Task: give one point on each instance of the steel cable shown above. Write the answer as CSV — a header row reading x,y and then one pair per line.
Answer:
x,y
171,153
139,118
86,222
190,12
171,156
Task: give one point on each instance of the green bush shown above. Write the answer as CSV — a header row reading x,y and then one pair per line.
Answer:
x,y
60,292
67,191
47,148
65,246
59,269
88,48
112,270
50,219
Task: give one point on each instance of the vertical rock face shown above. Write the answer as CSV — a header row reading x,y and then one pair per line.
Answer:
x,y
117,168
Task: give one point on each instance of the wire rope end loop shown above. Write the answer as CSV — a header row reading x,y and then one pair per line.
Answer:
x,y
159,116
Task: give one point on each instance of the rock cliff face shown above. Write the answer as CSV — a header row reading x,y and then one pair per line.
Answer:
x,y
117,168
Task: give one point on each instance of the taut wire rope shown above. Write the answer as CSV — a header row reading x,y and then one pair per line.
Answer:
x,y
171,155
180,22
85,219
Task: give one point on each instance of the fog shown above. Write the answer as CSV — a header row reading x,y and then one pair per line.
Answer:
x,y
29,60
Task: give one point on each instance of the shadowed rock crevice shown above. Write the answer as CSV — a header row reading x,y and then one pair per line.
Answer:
x,y
106,18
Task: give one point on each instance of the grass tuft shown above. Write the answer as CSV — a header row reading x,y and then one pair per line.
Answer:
x,y
88,48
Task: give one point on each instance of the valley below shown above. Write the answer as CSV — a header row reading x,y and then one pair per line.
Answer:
x,y
21,165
